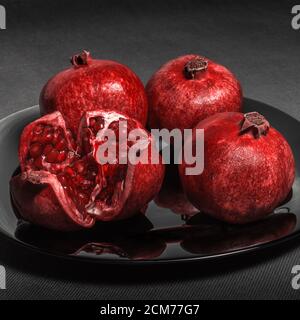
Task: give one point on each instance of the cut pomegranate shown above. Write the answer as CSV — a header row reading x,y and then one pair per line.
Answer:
x,y
68,186
123,188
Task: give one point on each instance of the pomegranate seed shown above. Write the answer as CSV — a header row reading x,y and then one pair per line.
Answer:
x,y
100,120
62,155
47,137
69,171
99,126
59,131
85,183
55,168
81,196
70,189
79,167
48,148
38,129
92,122
49,129
35,138
38,163
57,136
35,150
51,157
63,180
61,144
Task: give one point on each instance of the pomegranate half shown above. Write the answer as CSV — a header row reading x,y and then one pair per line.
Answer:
x,y
249,168
90,85
189,89
65,186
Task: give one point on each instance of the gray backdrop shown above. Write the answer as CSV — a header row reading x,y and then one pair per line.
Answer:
x,y
253,38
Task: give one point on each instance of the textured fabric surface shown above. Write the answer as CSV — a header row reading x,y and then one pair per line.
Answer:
x,y
253,38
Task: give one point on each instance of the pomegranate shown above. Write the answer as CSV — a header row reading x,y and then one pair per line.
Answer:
x,y
64,185
92,84
189,89
249,168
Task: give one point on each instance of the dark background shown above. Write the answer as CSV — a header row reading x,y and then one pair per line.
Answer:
x,y
253,38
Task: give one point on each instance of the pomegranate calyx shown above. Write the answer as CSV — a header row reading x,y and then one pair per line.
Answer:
x,y
195,65
255,122
81,59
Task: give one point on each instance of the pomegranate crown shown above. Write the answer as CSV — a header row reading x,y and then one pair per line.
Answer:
x,y
81,59
195,65
255,122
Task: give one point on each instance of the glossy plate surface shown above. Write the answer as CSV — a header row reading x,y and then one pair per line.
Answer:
x,y
171,231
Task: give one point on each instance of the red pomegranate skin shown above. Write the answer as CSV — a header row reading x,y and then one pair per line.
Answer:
x,y
73,192
246,176
42,203
91,84
178,99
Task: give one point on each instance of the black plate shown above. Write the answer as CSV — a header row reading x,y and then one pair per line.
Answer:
x,y
171,231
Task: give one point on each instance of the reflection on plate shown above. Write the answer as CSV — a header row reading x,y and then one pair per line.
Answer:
x,y
139,243
172,197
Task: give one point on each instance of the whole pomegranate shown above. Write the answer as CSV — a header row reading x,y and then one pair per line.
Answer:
x,y
90,85
189,89
64,185
249,168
